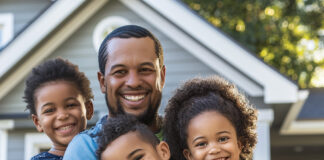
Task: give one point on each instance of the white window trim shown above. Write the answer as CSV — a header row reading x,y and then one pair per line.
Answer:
x,y
34,142
102,25
4,126
7,20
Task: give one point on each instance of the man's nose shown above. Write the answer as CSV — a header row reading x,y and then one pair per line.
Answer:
x,y
133,80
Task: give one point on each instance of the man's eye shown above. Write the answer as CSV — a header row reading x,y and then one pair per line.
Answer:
x,y
119,72
146,70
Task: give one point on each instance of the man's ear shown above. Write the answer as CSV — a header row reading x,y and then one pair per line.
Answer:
x,y
162,76
36,123
89,109
163,150
187,154
101,79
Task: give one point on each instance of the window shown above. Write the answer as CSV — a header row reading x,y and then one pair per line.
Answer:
x,y
104,27
6,28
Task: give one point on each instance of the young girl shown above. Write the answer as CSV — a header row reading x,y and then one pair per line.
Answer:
x,y
58,97
208,119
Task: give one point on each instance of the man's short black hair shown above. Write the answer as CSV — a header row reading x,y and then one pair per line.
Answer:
x,y
121,125
55,70
128,31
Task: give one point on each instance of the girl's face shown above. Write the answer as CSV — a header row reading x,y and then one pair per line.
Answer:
x,y
61,112
211,136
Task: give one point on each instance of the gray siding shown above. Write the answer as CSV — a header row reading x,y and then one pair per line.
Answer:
x,y
79,49
23,10
16,145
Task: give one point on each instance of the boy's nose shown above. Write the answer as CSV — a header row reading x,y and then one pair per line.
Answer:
x,y
62,115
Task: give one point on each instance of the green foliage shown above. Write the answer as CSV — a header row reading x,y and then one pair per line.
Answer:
x,y
285,34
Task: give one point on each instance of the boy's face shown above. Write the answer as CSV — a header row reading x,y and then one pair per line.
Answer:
x,y
133,78
212,136
131,146
61,111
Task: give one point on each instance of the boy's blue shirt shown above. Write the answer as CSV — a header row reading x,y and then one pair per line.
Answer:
x,y
47,156
84,145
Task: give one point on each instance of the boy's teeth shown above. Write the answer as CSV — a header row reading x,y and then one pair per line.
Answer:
x,y
134,98
66,127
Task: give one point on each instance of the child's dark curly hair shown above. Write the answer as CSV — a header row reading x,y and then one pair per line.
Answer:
x,y
208,94
55,70
121,125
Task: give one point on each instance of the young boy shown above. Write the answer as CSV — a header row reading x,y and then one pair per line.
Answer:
x,y
58,97
124,138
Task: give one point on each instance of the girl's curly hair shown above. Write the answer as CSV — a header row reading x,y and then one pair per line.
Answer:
x,y
208,94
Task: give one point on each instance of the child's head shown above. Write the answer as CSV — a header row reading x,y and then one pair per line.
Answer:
x,y
58,97
124,137
208,117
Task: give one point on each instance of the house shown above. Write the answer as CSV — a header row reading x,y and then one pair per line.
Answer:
x,y
39,30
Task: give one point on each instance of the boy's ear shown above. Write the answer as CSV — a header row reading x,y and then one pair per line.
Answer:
x,y
101,79
36,123
163,150
187,154
89,109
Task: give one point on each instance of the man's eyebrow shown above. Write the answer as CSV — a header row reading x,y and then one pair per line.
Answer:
x,y
116,65
132,153
147,63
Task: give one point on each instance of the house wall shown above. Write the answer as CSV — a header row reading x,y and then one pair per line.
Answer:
x,y
23,10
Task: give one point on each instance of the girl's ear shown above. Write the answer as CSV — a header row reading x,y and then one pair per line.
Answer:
x,y
89,109
163,150
187,154
36,123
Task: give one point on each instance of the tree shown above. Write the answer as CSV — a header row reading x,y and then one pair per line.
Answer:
x,y
285,34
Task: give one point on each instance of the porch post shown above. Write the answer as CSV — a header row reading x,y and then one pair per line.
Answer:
x,y
4,126
262,150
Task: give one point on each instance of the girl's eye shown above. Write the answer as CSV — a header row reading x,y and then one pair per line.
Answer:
x,y
201,144
71,105
223,139
139,157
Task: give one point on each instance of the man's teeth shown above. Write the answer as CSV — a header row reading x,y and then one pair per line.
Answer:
x,y
134,98
66,127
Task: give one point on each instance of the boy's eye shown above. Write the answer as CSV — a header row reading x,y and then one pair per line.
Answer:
x,y
223,139
49,110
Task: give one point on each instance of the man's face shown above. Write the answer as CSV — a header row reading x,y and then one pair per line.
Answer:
x,y
133,79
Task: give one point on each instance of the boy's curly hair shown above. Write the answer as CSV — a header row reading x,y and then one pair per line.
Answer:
x,y
121,125
208,94
55,70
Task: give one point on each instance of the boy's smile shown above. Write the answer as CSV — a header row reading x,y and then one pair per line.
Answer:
x,y
61,112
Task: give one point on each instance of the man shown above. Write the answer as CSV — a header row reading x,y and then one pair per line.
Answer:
x,y
131,76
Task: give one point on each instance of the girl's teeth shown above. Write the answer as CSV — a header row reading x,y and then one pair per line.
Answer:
x,y
134,98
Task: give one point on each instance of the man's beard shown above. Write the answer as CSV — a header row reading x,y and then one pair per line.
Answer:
x,y
147,117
